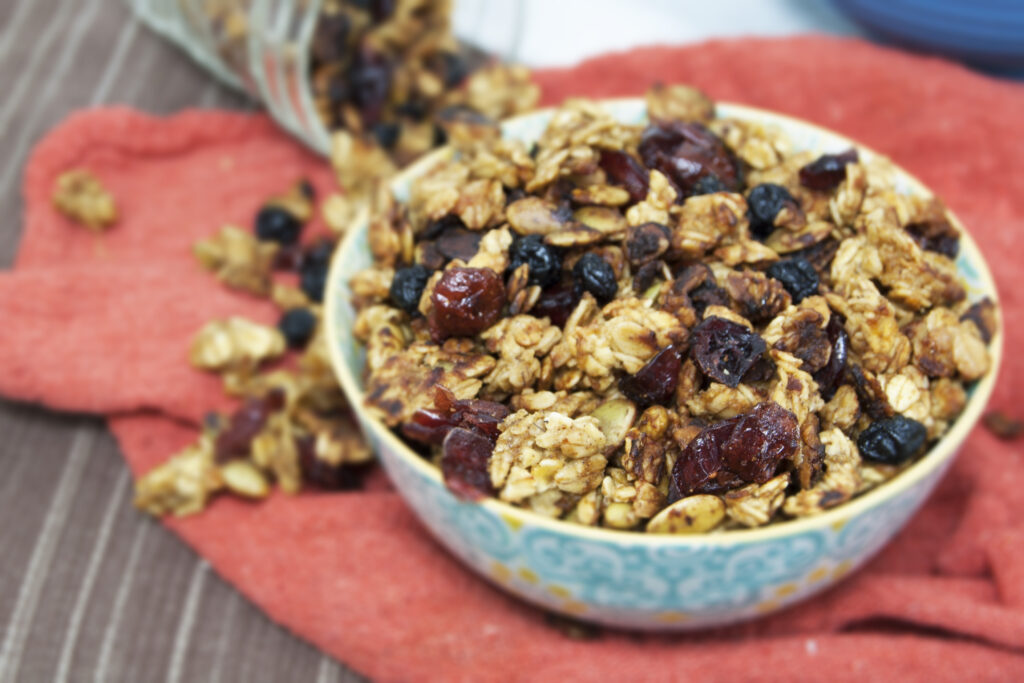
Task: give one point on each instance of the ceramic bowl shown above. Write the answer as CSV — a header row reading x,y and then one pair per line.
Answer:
x,y
631,579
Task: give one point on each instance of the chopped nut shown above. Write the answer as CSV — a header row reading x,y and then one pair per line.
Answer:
x,y
80,196
690,515
238,259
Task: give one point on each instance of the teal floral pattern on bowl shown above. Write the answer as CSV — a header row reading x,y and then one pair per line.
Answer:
x,y
634,580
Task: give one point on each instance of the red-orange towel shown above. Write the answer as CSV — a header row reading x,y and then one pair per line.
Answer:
x,y
102,323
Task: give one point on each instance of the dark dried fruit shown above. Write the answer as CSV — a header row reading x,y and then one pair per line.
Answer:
x,y
892,440
827,171
386,133
466,301
454,69
330,37
464,464
556,303
708,184
596,276
297,326
647,274
370,85
764,202
819,255
442,224
797,275
830,377
724,350
313,280
656,381
244,424
458,242
431,426
275,224
544,261
407,288
870,394
646,242
319,472
1003,426
983,315
745,449
687,152
756,296
288,257
626,171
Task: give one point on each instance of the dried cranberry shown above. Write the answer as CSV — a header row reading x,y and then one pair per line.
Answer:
x,y
321,473
724,350
297,325
556,303
288,257
407,287
656,381
745,449
458,242
626,171
430,426
596,276
764,202
938,236
830,377
827,171
245,423
275,224
797,275
466,301
464,459
892,440
686,152
543,259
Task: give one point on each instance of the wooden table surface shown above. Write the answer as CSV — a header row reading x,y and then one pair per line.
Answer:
x,y
90,589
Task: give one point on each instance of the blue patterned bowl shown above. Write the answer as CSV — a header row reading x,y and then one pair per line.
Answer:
x,y
633,580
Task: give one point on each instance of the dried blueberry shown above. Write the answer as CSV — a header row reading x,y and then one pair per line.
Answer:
x,y
892,440
797,275
764,202
724,350
297,326
827,171
274,224
386,133
656,381
708,184
543,259
596,276
407,287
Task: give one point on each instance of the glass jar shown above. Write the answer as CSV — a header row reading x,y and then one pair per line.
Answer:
x,y
263,47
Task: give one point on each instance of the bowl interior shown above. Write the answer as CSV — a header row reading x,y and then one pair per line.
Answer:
x,y
348,356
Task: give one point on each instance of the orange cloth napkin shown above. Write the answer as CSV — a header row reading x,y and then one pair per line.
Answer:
x,y
102,323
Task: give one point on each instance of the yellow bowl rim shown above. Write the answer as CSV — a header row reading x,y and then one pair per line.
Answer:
x,y
932,460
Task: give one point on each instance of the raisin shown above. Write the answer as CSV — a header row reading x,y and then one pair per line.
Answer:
x,y
656,381
830,377
646,242
744,449
245,423
466,301
457,242
708,184
893,440
274,224
464,459
624,170
556,303
297,326
596,276
686,152
544,262
724,350
827,171
407,288
647,274
764,202
797,275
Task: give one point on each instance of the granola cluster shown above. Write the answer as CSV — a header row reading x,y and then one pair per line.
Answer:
x,y
79,195
683,327
294,426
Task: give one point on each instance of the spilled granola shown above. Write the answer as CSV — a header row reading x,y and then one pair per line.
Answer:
x,y
684,327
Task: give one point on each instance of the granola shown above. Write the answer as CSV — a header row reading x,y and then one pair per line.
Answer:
x,y
699,330
79,195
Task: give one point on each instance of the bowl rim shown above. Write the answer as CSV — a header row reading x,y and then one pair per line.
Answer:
x,y
944,450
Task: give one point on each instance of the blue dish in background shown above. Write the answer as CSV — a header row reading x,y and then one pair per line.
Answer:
x,y
983,33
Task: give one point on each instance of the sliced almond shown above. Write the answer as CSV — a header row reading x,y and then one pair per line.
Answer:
x,y
535,216
604,219
243,478
690,515
615,417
